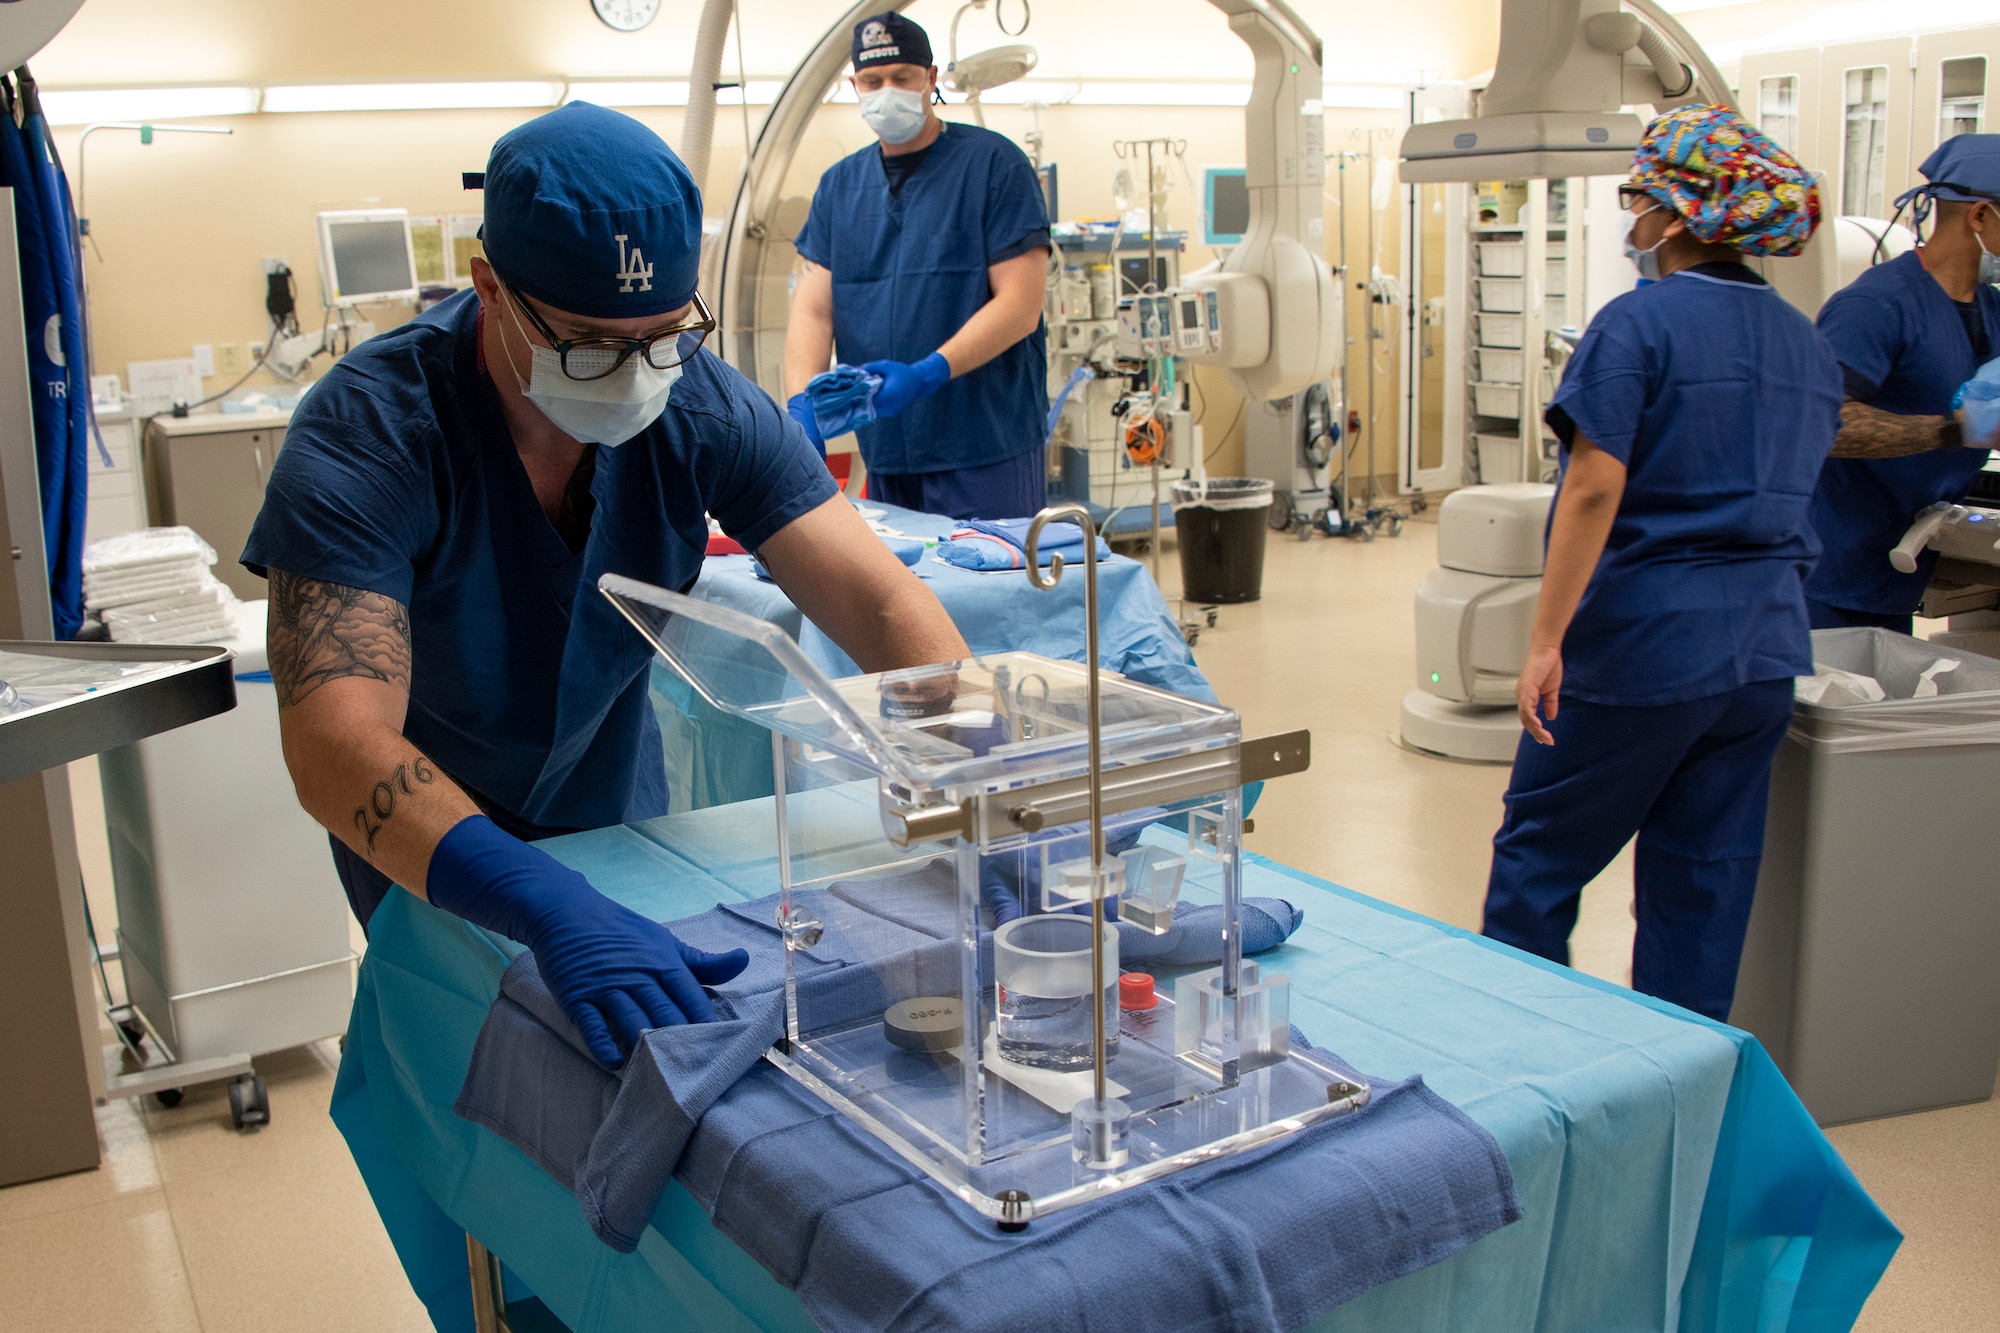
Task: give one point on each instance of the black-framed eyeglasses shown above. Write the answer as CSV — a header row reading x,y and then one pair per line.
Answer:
x,y
587,359
1628,193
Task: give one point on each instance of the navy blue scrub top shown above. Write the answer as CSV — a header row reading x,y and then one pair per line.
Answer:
x,y
909,269
1904,347
398,476
1721,401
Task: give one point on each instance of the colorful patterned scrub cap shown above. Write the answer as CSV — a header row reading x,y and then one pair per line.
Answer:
x,y
1729,180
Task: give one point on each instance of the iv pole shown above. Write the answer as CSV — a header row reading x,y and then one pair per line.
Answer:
x,y
1125,148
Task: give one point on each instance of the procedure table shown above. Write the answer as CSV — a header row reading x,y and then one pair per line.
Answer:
x,y
1668,1177
714,759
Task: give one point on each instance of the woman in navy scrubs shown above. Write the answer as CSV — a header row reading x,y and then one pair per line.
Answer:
x,y
1908,333
1693,418
450,684
926,257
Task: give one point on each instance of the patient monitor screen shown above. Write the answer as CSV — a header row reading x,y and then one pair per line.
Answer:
x,y
369,257
1229,215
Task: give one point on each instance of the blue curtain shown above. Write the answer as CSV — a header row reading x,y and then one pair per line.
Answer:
x,y
58,374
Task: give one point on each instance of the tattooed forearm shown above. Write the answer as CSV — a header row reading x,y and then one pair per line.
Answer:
x,y
322,631
1869,432
381,802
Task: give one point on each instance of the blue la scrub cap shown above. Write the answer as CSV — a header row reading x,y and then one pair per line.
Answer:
x,y
590,212
1963,169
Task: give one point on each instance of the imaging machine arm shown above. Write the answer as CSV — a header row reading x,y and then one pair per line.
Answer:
x,y
1554,107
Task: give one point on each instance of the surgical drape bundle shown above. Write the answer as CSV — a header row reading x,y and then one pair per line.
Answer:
x,y
843,398
154,586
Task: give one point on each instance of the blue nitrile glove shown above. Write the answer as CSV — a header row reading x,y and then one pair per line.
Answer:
x,y
1977,403
800,409
904,384
615,973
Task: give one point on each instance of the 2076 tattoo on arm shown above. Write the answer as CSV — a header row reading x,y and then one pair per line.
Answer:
x,y
382,797
323,631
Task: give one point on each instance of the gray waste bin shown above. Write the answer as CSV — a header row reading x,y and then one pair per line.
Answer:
x,y
1872,967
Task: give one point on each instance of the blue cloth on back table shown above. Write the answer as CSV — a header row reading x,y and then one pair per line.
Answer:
x,y
616,1139
715,759
1668,1177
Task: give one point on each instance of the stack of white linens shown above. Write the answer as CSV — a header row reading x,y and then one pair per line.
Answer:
x,y
155,586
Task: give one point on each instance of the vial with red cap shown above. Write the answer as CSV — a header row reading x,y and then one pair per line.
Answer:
x,y
1135,991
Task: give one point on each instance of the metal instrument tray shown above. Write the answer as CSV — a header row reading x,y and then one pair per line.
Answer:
x,y
198,684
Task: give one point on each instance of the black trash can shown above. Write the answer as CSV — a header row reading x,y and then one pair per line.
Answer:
x,y
1220,528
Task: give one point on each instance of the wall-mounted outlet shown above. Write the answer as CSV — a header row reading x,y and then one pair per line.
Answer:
x,y
274,264
256,346
204,359
229,359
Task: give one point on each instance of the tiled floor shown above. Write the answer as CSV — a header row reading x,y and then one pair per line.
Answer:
x,y
191,1225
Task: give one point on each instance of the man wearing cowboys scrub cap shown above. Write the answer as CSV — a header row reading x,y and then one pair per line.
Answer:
x,y
926,255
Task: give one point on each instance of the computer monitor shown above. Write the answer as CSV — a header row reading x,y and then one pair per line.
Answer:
x,y
1225,206
365,255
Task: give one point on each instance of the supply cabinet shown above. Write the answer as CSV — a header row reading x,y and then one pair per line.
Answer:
x,y
208,473
117,501
1527,283
232,925
1865,113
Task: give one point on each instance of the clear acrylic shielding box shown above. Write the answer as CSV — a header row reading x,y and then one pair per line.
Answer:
x,y
942,799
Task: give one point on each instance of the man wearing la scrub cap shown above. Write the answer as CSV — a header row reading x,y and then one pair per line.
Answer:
x,y
450,684
1693,419
1908,333
926,257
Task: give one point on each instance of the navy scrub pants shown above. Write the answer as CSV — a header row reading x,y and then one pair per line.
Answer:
x,y
1690,779
1012,488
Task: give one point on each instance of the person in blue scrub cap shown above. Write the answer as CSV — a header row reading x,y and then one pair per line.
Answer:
x,y
926,257
1909,333
1693,420
451,687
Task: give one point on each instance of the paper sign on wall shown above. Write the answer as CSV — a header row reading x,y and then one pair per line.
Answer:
x,y
156,386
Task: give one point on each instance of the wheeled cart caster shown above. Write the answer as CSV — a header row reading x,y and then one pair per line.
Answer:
x,y
169,1097
249,1101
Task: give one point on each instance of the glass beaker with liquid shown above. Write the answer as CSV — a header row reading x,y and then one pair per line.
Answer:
x,y
1041,965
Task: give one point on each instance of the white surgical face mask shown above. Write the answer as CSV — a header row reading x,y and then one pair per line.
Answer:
x,y
1989,263
606,411
895,114
1648,259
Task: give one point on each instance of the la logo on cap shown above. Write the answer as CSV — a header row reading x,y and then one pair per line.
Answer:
x,y
874,34
632,267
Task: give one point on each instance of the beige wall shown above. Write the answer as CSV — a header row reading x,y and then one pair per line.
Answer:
x,y
180,226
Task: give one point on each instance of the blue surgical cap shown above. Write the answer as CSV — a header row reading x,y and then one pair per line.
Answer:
x,y
1964,169
590,212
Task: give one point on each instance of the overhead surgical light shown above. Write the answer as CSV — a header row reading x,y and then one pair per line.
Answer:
x,y
1567,69
986,70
